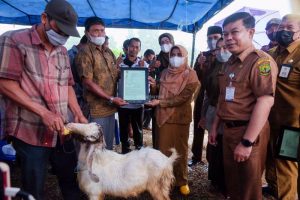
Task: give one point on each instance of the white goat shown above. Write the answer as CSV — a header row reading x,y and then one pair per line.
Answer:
x,y
103,171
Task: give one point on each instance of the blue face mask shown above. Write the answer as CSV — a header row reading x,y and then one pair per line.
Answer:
x,y
56,39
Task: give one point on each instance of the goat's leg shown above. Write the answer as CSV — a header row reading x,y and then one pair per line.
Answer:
x,y
96,197
93,197
158,195
101,196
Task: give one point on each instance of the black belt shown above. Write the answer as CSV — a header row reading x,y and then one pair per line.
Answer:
x,y
235,123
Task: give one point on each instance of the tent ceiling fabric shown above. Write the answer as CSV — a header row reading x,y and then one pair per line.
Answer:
x,y
186,15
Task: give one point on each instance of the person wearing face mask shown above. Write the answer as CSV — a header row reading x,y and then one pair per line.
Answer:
x,y
177,86
98,71
283,175
36,83
204,61
166,41
212,90
271,29
247,89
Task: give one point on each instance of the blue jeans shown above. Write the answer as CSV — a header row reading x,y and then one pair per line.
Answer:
x,y
34,162
108,125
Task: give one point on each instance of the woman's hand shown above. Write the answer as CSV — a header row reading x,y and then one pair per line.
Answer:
x,y
152,103
151,81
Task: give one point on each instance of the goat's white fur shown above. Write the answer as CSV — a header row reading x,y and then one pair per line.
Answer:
x,y
103,171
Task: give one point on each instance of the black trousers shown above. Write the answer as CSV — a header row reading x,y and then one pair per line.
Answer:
x,y
147,117
197,146
135,116
34,162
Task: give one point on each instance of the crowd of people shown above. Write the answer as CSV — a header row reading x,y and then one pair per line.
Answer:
x,y
243,97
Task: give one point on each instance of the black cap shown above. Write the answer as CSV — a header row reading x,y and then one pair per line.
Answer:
x,y
214,30
273,21
64,15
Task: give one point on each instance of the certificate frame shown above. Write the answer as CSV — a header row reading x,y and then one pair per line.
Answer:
x,y
288,144
134,80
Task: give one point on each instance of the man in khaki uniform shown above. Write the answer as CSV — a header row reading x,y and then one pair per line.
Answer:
x,y
204,62
246,96
282,174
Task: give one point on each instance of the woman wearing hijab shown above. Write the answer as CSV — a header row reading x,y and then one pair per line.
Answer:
x,y
176,89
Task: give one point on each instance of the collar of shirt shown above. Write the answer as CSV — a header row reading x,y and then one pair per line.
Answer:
x,y
94,46
129,63
36,40
293,46
281,50
241,57
75,49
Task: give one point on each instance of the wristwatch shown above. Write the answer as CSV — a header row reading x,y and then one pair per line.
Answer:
x,y
111,100
247,143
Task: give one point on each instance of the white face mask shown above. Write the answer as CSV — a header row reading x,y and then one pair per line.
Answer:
x,y
97,40
56,39
223,56
166,47
176,61
212,44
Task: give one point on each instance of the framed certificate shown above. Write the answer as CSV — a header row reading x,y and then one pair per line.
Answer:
x,y
133,85
288,144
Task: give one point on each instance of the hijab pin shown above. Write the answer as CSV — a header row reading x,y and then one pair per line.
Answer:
x,y
290,61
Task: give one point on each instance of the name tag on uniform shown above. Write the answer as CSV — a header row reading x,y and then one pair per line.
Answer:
x,y
229,95
285,71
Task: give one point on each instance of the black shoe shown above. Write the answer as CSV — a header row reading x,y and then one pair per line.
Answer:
x,y
125,149
193,162
138,147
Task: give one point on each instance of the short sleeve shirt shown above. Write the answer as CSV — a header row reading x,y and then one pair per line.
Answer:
x,y
98,65
251,78
44,76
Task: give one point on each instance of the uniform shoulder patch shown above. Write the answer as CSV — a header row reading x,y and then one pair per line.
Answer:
x,y
264,66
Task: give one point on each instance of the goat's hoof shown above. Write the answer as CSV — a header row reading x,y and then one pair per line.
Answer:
x,y
184,190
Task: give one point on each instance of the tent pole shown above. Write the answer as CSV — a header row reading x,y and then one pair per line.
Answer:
x,y
193,48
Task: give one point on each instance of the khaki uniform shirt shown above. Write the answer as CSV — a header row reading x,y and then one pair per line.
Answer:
x,y
99,66
253,75
286,109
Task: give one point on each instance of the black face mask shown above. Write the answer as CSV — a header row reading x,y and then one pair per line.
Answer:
x,y
284,38
272,36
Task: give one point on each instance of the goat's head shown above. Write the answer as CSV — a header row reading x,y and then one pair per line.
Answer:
x,y
91,133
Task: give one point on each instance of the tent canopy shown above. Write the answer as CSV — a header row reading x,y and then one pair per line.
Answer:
x,y
186,15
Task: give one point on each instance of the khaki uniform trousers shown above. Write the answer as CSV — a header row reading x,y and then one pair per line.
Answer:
x,y
281,175
243,180
175,136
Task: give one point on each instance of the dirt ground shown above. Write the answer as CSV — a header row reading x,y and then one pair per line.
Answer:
x,y
199,185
